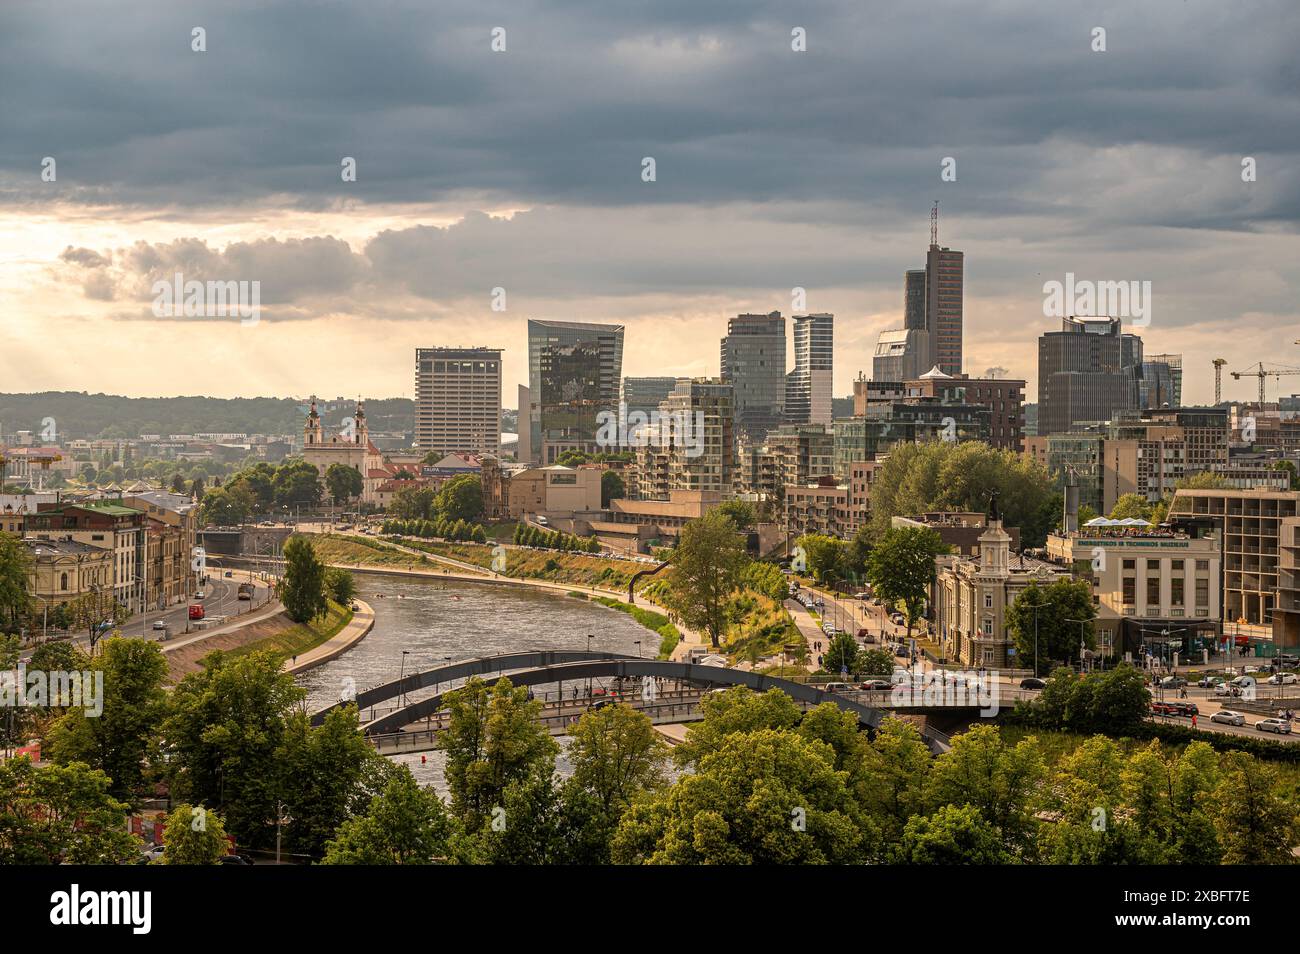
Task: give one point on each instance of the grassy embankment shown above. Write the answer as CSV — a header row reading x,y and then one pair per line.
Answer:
x,y
302,636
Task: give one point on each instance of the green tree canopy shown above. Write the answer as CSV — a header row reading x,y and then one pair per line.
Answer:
x,y
706,568
901,568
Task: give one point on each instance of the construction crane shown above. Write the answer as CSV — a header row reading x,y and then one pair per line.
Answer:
x,y
1218,380
1261,372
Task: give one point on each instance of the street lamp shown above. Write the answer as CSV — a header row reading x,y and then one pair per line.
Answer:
x,y
402,675
589,639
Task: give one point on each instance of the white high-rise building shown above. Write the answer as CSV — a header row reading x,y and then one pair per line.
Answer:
x,y
458,400
809,387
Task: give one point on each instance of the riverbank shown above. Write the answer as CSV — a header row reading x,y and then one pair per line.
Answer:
x,y
362,621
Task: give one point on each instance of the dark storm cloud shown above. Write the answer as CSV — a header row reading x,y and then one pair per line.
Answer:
x,y
1039,124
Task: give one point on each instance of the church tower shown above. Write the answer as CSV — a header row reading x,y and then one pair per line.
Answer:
x,y
995,545
363,431
312,432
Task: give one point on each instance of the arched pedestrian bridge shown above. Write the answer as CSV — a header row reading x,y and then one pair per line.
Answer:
x,y
557,667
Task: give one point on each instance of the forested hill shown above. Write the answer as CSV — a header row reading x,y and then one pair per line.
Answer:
x,y
81,415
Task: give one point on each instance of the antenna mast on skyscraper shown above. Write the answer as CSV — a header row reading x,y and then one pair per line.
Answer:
x,y
934,224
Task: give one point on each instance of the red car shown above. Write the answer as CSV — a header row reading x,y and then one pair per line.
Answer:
x,y
196,611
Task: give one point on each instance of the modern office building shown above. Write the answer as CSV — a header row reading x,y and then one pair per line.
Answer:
x,y
753,363
458,400
1086,372
1162,381
809,387
914,299
643,395
574,373
914,421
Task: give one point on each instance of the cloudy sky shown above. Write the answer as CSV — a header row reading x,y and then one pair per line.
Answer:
x,y
522,169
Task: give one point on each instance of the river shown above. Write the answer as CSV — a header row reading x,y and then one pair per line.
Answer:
x,y
432,619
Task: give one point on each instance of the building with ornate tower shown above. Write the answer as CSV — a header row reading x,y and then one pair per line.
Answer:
x,y
350,447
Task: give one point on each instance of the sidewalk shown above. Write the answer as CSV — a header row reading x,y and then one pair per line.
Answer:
x,y
362,622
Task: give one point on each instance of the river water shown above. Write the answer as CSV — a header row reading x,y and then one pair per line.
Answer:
x,y
432,619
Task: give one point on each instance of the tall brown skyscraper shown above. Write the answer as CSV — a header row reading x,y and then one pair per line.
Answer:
x,y
944,269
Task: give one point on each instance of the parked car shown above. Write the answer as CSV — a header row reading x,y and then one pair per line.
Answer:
x,y
877,684
1283,679
1228,717
837,687
1173,682
1280,726
234,859
1187,709
1032,682
1209,682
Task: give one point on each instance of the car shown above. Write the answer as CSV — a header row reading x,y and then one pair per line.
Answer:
x,y
1033,682
837,687
200,595
151,854
1162,708
1283,679
876,684
160,624
1187,709
1209,682
1173,682
542,520
1228,717
234,859
1223,689
1280,726
229,574
901,651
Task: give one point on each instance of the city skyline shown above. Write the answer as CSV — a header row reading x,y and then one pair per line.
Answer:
x,y
1088,172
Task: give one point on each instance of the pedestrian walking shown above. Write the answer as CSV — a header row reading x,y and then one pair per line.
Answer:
x,y
295,660
1193,720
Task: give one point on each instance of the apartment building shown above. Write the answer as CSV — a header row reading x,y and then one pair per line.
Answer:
x,y
694,446
107,525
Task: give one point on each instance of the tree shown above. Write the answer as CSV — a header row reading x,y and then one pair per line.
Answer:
x,y
1204,480
413,503
120,739
617,757
460,498
56,813
343,482
765,797
493,739
227,506
892,781
706,567
1001,781
15,565
1057,633
303,588
1131,505
901,568
194,836
735,711
612,487
97,612
224,735
327,774
953,835
942,475
340,585
178,484
875,662
403,825
297,484
1255,825
842,655
824,556
741,512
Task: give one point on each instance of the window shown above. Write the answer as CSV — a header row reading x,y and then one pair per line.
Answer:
x,y
63,581
1153,589
1130,564
988,600
988,627
1176,591
1203,593
1130,590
